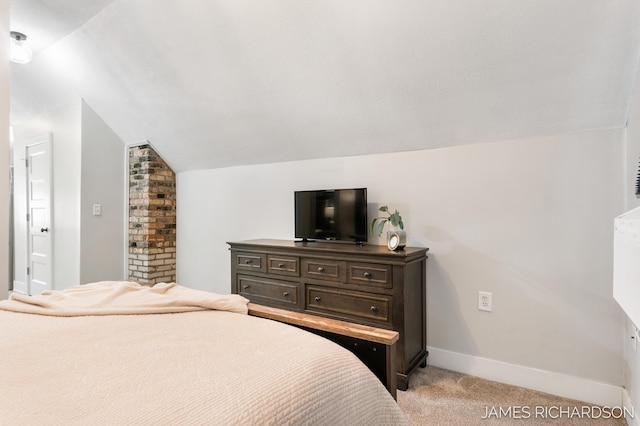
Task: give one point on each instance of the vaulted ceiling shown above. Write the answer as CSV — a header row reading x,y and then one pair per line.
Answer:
x,y
217,83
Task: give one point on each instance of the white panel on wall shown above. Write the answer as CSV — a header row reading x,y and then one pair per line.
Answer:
x,y
626,263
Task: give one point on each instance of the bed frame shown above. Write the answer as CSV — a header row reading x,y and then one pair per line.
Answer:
x,y
376,347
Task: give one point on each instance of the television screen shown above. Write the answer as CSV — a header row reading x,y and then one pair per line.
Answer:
x,y
335,214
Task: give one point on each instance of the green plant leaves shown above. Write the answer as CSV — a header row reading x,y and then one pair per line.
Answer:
x,y
380,227
394,218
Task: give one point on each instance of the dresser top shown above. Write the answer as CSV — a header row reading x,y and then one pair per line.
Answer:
x,y
332,247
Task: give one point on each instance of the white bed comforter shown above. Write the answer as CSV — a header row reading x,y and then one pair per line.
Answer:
x,y
199,367
123,297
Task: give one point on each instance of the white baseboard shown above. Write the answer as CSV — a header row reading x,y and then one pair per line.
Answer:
x,y
626,401
545,381
19,287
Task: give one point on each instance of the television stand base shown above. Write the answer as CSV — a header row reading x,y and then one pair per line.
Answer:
x,y
330,241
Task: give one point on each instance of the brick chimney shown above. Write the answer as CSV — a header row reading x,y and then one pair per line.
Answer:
x,y
152,217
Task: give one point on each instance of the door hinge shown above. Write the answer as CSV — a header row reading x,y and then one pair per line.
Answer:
x,y
28,270
27,217
26,162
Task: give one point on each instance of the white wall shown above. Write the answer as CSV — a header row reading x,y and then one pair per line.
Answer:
x,y
528,220
632,356
4,151
102,237
64,125
88,162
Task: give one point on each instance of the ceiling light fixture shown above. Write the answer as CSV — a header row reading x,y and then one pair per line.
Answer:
x,y
20,51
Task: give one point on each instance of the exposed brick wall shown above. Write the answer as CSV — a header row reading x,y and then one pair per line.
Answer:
x,y
152,217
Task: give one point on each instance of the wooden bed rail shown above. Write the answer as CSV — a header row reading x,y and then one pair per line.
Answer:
x,y
358,331
381,336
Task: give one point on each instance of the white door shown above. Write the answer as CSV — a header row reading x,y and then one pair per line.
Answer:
x,y
39,216
33,203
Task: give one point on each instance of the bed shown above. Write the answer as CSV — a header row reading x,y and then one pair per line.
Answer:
x,y
122,353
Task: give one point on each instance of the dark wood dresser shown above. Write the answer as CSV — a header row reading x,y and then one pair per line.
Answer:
x,y
364,284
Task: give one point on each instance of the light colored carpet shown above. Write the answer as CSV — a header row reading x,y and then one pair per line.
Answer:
x,y
442,397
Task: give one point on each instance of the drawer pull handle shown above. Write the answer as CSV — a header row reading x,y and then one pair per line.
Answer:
x,y
317,299
374,309
245,287
320,269
247,261
285,294
280,265
367,275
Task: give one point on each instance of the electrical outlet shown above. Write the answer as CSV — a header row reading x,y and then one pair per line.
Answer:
x,y
485,301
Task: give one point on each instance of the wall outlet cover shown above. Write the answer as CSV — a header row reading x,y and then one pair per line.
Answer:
x,y
485,302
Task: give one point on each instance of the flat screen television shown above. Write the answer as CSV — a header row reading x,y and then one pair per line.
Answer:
x,y
331,214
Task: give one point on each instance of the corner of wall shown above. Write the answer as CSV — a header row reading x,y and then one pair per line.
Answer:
x,y
4,152
102,177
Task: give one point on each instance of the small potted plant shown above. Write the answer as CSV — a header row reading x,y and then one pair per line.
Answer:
x,y
396,239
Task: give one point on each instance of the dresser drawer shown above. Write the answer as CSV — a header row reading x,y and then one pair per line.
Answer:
x,y
283,265
371,274
321,269
256,262
348,305
263,290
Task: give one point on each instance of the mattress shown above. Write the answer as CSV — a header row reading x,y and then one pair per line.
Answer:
x,y
194,366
